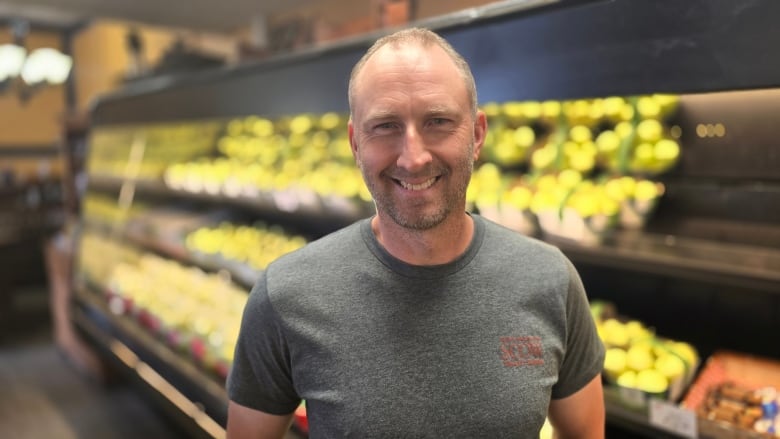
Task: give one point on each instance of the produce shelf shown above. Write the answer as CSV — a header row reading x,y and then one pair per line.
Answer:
x,y
240,273
687,258
330,214
635,421
681,257
198,401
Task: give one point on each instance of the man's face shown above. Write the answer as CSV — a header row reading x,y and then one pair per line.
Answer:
x,y
413,134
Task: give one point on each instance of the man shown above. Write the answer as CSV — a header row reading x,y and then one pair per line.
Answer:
x,y
422,321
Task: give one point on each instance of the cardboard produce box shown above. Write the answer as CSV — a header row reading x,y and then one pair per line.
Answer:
x,y
736,396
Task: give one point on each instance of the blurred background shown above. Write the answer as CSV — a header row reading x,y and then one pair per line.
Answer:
x,y
155,156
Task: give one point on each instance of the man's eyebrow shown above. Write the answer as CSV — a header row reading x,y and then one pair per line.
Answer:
x,y
380,114
376,116
433,111
441,111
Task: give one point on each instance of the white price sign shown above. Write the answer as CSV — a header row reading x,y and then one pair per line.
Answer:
x,y
673,418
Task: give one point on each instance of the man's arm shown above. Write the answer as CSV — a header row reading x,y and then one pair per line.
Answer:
x,y
580,415
246,423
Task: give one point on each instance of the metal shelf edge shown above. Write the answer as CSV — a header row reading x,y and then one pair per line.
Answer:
x,y
188,414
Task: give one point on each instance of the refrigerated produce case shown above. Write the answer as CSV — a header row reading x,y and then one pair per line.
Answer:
x,y
704,268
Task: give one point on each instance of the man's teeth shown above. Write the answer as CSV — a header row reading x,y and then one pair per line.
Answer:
x,y
418,187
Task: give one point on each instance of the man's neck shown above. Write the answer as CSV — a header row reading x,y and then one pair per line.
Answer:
x,y
439,245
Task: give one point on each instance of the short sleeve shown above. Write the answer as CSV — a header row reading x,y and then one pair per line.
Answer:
x,y
260,377
584,356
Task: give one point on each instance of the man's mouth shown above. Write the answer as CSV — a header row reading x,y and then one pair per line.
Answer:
x,y
417,186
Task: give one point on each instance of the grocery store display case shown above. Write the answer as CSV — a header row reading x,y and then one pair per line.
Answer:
x,y
196,182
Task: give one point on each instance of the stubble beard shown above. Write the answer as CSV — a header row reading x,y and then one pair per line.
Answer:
x,y
414,218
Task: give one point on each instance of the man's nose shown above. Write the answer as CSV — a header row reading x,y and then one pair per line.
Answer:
x,y
414,153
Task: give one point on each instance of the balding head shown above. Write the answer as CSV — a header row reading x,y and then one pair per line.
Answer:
x,y
423,38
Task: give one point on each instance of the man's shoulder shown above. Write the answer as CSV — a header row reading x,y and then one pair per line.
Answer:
x,y
303,279
321,252
498,233
506,246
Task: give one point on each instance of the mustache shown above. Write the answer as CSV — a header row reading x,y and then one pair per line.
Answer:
x,y
428,172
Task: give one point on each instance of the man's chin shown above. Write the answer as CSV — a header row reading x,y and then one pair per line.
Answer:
x,y
418,222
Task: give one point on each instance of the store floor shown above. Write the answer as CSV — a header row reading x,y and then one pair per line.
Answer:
x,y
43,395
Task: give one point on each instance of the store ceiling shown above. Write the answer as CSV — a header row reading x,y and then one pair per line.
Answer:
x,y
205,15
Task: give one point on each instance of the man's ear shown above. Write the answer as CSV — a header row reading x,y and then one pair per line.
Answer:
x,y
352,141
480,131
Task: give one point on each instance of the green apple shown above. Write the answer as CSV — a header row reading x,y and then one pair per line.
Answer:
x,y
651,381
615,362
639,357
671,366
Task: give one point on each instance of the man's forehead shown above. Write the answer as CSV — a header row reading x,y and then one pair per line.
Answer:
x,y
411,57
390,54
401,48
404,54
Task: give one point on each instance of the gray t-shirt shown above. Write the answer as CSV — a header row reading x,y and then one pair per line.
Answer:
x,y
382,349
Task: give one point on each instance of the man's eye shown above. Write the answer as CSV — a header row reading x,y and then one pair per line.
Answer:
x,y
385,128
437,122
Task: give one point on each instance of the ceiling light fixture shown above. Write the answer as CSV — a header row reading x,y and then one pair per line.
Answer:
x,y
43,66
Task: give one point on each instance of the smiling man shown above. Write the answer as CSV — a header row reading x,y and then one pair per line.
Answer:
x,y
424,320
415,133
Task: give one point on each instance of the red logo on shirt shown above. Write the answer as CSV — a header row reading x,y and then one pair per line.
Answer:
x,y
521,351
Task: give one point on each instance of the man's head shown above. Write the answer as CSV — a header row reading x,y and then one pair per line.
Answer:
x,y
424,38
414,128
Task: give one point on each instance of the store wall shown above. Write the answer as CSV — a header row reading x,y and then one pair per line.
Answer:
x,y
334,19
33,124
100,65
433,8
343,11
102,59
35,121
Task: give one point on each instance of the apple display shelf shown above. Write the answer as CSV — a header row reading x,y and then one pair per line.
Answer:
x,y
183,392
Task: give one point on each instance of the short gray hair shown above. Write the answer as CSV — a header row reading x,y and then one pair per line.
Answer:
x,y
424,38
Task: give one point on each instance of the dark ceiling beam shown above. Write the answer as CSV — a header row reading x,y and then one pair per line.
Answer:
x,y
44,25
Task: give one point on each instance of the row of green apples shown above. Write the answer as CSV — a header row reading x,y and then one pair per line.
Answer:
x,y
637,358
589,112
196,313
555,201
615,134
305,141
144,152
303,178
499,195
305,154
105,209
311,137
97,256
254,245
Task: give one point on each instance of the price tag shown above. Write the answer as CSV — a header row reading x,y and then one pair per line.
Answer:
x,y
633,397
673,418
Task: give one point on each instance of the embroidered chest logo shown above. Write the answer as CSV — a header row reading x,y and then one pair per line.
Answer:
x,y
521,351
